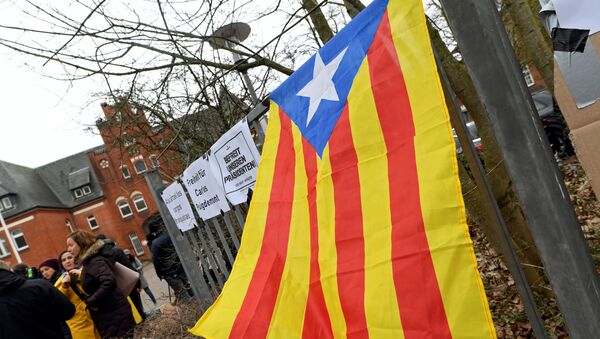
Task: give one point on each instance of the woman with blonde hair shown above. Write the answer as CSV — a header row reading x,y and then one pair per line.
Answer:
x,y
108,308
81,325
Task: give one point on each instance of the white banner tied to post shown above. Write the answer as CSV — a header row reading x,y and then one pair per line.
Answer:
x,y
234,161
206,193
179,206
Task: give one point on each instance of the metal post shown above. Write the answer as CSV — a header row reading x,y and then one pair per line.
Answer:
x,y
492,64
239,216
182,246
491,206
224,242
11,241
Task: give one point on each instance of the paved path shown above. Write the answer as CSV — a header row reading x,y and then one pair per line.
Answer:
x,y
158,287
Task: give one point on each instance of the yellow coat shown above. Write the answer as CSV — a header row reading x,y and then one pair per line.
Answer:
x,y
81,325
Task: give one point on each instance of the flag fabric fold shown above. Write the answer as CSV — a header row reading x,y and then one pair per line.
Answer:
x,y
357,227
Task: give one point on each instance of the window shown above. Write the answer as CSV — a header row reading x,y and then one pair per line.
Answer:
x,y
92,222
125,209
7,203
125,171
140,166
82,191
140,203
4,252
137,245
69,226
154,161
527,75
19,239
86,190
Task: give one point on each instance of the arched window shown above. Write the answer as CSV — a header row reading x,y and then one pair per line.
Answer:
x,y
19,239
4,251
140,166
124,208
137,245
139,202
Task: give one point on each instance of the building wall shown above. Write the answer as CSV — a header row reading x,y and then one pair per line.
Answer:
x,y
46,230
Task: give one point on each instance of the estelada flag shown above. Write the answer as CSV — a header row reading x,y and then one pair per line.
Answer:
x,y
357,226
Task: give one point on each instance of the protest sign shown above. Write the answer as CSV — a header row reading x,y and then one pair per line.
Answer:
x,y
234,161
179,206
206,193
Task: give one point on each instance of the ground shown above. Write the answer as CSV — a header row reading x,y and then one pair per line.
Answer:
x,y
505,304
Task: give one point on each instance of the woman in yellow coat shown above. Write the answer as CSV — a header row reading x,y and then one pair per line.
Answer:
x,y
81,325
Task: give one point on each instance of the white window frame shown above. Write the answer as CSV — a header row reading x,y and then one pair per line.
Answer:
x,y
136,169
78,193
154,161
19,234
135,242
529,80
92,219
124,203
123,169
69,226
7,203
4,250
87,190
139,198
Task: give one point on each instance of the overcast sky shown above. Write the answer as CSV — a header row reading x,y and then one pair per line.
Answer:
x,y
41,119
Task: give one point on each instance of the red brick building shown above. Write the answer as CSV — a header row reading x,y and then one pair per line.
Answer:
x,y
101,190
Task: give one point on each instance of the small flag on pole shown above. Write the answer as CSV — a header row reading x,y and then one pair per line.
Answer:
x,y
357,227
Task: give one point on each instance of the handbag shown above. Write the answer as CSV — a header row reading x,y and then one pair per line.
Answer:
x,y
126,278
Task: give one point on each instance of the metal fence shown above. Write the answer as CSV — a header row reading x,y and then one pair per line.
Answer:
x,y
207,251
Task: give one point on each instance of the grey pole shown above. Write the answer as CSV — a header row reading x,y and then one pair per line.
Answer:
x,y
182,245
492,64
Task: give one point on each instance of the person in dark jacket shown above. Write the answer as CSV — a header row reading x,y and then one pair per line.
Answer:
x,y
167,264
118,255
31,308
109,309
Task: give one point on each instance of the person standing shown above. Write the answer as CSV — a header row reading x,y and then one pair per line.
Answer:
x,y
81,325
31,308
137,265
50,270
109,309
166,262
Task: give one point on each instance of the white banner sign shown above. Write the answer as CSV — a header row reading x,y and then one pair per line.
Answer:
x,y
179,207
206,193
234,161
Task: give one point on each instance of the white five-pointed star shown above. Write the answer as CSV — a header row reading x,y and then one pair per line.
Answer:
x,y
321,87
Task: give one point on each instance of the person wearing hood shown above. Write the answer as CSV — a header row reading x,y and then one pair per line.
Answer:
x,y
50,270
31,308
109,309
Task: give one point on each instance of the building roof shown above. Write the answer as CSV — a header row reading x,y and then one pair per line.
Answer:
x,y
49,185
28,187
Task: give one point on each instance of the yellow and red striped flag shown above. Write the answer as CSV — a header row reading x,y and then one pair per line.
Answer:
x,y
357,226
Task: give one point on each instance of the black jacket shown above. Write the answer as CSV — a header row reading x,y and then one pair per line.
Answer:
x,y
164,257
109,309
31,308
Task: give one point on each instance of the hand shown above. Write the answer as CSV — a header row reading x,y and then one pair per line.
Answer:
x,y
76,272
66,280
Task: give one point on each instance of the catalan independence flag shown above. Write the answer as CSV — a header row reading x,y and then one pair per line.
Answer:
x,y
357,227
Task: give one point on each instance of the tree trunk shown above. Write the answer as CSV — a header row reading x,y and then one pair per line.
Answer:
x,y
531,37
318,19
